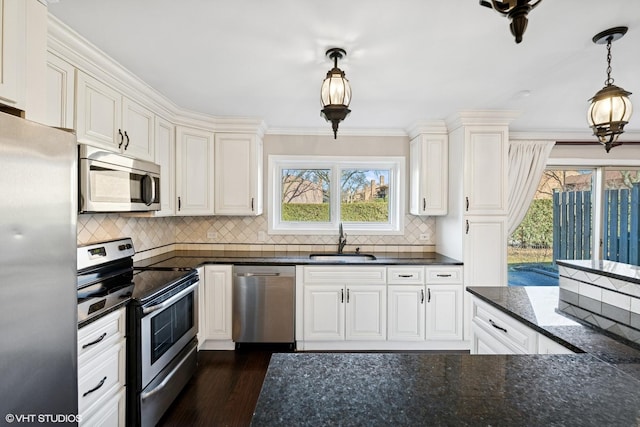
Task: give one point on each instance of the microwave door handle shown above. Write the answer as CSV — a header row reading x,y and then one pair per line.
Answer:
x,y
153,191
168,302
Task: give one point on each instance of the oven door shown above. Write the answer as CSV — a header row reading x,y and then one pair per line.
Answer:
x,y
168,324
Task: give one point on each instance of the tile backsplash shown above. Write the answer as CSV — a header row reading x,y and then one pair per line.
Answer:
x,y
152,234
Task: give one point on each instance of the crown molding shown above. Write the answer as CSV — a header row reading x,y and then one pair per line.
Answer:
x,y
427,127
565,135
481,117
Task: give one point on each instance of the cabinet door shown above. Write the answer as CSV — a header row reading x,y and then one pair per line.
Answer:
x,y
12,52
238,174
444,312
138,128
485,251
215,303
366,315
165,156
406,313
324,312
99,113
429,175
60,92
110,413
485,166
484,343
194,171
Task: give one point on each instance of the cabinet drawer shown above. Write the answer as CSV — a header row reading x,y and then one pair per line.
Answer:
x,y
101,375
504,328
405,275
346,275
96,336
445,275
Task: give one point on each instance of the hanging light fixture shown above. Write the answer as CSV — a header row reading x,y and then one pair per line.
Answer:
x,y
610,107
335,93
516,11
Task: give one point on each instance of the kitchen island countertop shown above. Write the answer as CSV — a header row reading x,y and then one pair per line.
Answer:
x,y
598,387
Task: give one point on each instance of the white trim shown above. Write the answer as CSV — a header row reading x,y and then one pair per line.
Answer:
x,y
589,163
326,131
396,165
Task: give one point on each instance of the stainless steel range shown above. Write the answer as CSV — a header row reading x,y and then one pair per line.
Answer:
x,y
162,322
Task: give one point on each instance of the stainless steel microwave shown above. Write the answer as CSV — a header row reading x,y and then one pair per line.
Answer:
x,y
110,182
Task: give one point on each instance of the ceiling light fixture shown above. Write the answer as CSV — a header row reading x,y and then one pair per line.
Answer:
x,y
335,93
516,11
610,107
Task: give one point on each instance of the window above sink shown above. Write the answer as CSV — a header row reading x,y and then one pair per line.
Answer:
x,y
312,195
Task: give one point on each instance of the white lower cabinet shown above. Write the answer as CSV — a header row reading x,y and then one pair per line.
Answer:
x,y
101,371
406,314
345,312
215,307
380,308
495,332
444,312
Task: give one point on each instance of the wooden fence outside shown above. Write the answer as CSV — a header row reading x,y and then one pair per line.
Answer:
x,y
572,214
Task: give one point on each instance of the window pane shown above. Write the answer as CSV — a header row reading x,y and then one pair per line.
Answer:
x,y
556,226
621,232
364,195
305,195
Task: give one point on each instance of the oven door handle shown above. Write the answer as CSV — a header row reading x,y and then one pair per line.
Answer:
x,y
167,379
168,302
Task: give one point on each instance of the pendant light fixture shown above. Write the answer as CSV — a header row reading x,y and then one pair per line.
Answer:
x,y
610,107
516,11
335,93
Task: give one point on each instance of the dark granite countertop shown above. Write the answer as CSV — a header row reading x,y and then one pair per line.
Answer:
x,y
600,386
195,258
617,270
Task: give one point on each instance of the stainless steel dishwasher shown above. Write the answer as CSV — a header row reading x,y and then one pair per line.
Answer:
x,y
263,304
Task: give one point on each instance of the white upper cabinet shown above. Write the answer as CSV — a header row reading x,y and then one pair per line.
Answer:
x,y
12,52
194,171
485,166
165,156
60,92
238,174
429,172
107,119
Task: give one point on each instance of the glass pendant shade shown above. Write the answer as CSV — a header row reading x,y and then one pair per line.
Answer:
x,y
609,112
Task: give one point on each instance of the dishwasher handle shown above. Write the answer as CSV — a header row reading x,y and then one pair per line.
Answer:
x,y
257,274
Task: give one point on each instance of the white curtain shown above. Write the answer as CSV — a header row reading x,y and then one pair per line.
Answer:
x,y
527,161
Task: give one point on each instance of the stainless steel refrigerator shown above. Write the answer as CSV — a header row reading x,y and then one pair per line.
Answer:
x,y
38,295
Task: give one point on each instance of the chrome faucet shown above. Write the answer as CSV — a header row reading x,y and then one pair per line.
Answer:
x,y
342,240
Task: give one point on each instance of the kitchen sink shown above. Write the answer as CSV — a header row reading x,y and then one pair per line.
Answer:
x,y
353,257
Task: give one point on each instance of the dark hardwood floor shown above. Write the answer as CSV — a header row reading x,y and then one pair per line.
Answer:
x,y
223,392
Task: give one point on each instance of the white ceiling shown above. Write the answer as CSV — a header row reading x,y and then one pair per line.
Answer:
x,y
407,60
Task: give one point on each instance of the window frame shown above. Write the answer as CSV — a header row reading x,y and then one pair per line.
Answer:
x,y
396,197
